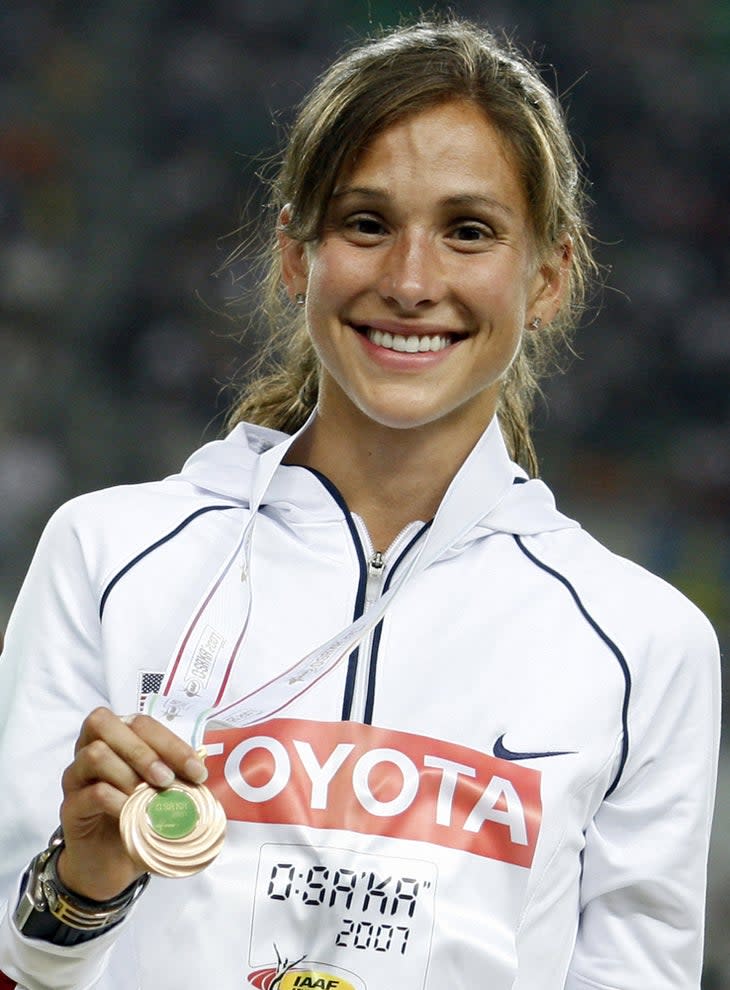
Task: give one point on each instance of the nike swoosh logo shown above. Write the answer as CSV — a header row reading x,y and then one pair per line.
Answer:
x,y
502,753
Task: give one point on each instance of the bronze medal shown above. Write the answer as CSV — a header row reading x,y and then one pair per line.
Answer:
x,y
173,832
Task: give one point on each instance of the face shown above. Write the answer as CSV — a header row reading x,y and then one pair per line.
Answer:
x,y
421,284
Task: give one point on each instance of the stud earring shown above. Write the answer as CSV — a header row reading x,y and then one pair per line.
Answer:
x,y
300,298
535,323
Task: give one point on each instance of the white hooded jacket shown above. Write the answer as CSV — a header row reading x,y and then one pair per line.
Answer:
x,y
508,784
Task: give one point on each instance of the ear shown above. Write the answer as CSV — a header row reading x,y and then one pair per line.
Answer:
x,y
294,270
551,282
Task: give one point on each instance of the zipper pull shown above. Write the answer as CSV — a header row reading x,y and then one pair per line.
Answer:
x,y
376,567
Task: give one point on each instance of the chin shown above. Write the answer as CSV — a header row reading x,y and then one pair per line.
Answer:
x,y
397,416
401,421
470,416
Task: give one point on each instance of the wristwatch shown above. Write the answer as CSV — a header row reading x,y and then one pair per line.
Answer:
x,y
48,910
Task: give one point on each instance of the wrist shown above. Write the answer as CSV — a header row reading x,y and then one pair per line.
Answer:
x,y
81,877
48,910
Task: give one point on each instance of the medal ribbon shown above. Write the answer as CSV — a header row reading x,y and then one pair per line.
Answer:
x,y
201,664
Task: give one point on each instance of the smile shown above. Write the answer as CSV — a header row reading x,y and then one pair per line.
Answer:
x,y
411,344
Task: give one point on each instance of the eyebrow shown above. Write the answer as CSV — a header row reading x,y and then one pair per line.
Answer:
x,y
461,199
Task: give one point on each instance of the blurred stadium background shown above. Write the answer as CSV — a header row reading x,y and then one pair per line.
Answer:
x,y
130,137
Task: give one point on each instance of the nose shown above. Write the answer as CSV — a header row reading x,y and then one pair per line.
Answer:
x,y
412,276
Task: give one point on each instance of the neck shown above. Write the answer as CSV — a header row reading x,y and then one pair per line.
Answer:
x,y
389,477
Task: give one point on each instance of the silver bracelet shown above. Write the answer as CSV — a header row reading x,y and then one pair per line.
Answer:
x,y
47,909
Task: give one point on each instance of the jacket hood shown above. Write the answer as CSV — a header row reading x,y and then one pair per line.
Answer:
x,y
225,468
489,494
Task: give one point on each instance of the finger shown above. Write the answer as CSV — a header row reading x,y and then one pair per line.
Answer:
x,y
102,734
149,747
98,762
175,752
96,725
83,806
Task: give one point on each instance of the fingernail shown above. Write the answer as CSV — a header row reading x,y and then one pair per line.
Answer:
x,y
195,770
162,776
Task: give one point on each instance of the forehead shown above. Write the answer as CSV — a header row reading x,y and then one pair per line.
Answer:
x,y
451,144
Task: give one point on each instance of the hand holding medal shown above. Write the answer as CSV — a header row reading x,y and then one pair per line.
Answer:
x,y
175,831
116,758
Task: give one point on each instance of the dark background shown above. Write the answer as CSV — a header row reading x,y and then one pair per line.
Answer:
x,y
131,133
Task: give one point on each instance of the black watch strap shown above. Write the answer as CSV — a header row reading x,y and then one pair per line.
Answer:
x,y
48,910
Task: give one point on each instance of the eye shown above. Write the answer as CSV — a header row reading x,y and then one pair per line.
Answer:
x,y
364,227
471,232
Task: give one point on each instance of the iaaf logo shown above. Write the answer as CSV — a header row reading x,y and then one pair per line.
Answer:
x,y
301,979
361,778
303,976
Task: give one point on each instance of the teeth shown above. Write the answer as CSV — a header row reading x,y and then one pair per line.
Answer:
x,y
412,344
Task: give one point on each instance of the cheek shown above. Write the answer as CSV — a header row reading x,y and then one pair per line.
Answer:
x,y
493,287
326,297
510,305
337,271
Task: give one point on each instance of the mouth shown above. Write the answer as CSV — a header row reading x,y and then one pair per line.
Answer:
x,y
411,342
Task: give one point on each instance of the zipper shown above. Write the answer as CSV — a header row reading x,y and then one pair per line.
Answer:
x,y
376,568
379,564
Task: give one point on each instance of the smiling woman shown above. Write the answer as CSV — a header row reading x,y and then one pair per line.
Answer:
x,y
456,742
363,94
418,292
413,258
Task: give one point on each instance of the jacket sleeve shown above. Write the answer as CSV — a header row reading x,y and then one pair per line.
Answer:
x,y
51,676
645,857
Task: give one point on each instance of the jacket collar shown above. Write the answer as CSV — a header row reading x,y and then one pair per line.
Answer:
x,y
489,494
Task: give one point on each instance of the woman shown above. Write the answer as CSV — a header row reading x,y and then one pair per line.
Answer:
x,y
457,742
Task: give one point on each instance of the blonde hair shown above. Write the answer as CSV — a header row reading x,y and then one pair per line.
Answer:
x,y
366,90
